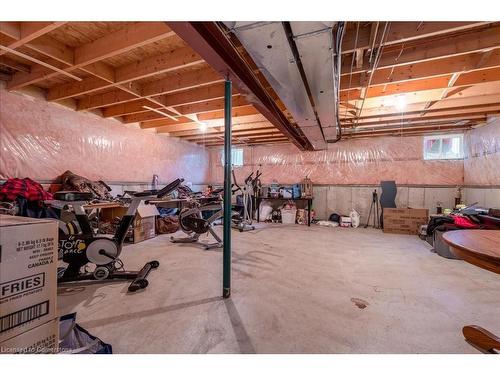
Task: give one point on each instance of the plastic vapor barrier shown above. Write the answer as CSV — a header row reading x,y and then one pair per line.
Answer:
x,y
42,140
482,155
359,161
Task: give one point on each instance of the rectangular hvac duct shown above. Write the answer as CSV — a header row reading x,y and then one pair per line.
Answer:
x,y
267,44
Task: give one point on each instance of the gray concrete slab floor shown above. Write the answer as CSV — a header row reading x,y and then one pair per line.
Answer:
x,y
294,290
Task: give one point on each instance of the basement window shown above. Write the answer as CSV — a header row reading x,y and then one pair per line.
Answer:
x,y
444,147
236,157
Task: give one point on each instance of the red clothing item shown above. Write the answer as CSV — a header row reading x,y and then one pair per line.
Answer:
x,y
464,222
25,187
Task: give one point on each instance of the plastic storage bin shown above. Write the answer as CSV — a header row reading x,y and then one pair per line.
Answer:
x,y
288,216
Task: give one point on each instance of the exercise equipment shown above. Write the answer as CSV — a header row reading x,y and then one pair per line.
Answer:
x,y
81,246
194,222
243,221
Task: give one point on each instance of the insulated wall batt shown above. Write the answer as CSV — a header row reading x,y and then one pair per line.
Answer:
x,y
41,140
482,158
360,161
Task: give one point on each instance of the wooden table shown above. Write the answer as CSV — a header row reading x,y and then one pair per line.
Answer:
x,y
482,249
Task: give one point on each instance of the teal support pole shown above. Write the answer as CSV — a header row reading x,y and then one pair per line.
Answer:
x,y
226,254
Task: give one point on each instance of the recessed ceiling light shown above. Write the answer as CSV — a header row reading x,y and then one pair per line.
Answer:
x,y
203,126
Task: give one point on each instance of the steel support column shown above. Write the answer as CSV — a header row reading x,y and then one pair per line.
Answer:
x,y
226,255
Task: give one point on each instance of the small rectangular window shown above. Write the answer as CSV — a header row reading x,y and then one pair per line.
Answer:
x,y
236,157
443,147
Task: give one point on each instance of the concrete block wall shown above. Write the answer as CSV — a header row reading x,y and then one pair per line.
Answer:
x,y
485,196
342,198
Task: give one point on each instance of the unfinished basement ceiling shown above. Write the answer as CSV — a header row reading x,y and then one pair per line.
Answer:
x,y
311,100
396,78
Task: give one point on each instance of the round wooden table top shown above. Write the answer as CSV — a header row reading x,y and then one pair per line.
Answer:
x,y
478,247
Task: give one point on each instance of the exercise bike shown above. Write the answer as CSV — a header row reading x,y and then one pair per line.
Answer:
x,y
243,221
193,222
82,246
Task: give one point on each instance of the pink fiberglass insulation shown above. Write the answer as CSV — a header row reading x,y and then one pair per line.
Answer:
x,y
360,161
41,140
482,155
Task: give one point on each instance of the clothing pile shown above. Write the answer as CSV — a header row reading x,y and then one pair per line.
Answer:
x,y
458,221
73,182
184,191
167,224
25,198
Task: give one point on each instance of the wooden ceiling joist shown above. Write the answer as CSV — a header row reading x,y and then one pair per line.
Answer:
x,y
196,95
167,62
481,40
195,130
133,36
449,72
465,79
187,109
236,142
427,69
25,32
237,133
401,32
190,80
422,114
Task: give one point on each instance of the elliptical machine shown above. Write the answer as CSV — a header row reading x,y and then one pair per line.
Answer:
x,y
243,221
85,247
193,222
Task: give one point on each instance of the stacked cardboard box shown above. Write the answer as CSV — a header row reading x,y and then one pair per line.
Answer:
x,y
144,225
28,285
404,220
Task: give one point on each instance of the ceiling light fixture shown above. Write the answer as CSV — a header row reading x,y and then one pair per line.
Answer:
x,y
202,126
401,103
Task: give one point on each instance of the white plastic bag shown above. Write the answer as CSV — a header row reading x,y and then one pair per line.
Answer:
x,y
354,218
265,211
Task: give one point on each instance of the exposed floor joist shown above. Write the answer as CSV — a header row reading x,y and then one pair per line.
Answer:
x,y
144,72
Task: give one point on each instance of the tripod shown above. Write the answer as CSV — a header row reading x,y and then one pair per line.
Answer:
x,y
374,207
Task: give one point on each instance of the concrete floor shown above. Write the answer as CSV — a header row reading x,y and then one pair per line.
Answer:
x,y
295,290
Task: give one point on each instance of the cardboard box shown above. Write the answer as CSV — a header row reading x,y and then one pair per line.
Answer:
x,y
404,220
28,274
43,339
142,228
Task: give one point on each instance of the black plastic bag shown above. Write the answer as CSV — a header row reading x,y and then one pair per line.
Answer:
x,y
73,339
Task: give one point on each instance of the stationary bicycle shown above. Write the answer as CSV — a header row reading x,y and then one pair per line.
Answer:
x,y
79,249
243,221
193,222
